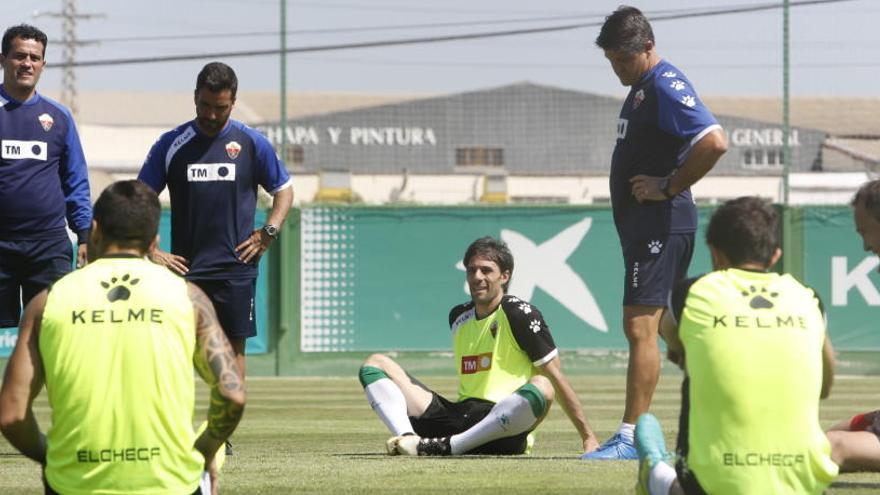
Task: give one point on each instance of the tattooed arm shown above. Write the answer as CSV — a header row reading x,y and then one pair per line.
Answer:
x,y
216,363
21,385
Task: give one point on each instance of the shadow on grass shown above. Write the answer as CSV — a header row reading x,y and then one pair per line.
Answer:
x,y
855,484
374,455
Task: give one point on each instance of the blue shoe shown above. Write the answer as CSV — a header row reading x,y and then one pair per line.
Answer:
x,y
615,448
651,448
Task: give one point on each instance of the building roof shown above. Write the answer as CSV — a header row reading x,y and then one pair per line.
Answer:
x,y
851,154
557,130
538,129
168,109
836,116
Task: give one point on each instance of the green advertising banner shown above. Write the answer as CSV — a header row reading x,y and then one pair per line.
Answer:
x,y
255,345
386,278
844,275
381,278
8,338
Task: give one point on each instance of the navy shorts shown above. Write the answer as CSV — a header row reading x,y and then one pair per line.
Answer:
x,y
234,303
26,268
653,266
444,418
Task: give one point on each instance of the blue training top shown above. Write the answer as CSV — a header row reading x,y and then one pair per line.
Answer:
x,y
213,186
43,175
661,119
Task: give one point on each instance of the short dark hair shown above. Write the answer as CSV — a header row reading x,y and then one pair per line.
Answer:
x,y
25,32
746,230
625,30
127,213
869,196
216,77
494,250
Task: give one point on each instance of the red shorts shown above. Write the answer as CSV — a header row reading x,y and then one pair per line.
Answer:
x,y
861,422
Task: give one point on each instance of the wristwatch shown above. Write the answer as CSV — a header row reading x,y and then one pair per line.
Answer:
x,y
271,230
664,188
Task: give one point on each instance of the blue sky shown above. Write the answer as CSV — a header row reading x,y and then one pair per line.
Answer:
x,y
740,54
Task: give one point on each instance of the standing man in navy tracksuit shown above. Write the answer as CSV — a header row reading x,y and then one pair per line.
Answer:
x,y
667,140
43,178
212,166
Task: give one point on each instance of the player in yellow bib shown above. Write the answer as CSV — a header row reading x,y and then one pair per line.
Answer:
x,y
855,443
756,360
115,344
508,368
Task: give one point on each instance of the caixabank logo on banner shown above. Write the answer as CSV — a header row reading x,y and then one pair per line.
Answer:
x,y
545,266
379,278
855,280
848,284
844,276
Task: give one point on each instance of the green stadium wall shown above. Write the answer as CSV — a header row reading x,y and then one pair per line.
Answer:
x,y
349,280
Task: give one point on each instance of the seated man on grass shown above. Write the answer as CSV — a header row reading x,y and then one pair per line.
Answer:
x,y
508,368
855,443
756,358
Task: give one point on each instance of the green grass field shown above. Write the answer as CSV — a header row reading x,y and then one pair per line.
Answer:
x,y
318,435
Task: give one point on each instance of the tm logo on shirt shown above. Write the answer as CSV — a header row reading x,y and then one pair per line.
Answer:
x,y
475,364
622,124
19,150
210,172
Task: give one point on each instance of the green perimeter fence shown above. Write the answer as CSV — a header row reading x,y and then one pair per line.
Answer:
x,y
344,281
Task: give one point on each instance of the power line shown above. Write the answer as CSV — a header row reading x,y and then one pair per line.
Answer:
x,y
577,66
362,29
439,39
70,42
655,14
397,7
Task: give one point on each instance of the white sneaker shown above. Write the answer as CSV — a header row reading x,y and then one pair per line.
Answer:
x,y
403,445
414,445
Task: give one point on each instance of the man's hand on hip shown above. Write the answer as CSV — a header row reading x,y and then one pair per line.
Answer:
x,y
254,246
175,263
647,188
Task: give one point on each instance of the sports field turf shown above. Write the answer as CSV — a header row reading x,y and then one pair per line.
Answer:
x,y
318,435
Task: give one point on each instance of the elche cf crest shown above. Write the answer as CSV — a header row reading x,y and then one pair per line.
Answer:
x,y
638,98
233,149
46,121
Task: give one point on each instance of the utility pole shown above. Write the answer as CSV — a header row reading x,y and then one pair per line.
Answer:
x,y
786,121
70,42
282,146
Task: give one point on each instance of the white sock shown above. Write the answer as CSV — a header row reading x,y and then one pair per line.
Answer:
x,y
389,403
661,478
511,416
627,431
